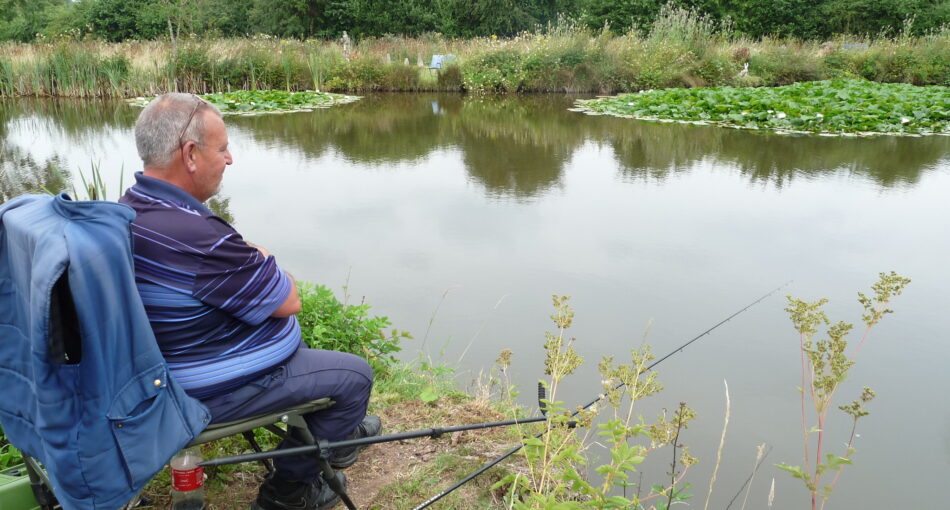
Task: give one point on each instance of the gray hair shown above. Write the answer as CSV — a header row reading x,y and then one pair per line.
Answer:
x,y
159,125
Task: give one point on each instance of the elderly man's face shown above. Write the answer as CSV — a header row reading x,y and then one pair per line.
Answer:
x,y
211,157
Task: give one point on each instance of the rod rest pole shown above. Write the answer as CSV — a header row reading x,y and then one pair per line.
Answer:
x,y
363,441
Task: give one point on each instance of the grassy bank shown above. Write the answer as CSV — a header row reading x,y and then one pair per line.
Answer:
x,y
681,49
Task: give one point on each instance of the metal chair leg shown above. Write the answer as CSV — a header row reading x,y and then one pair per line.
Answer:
x,y
249,437
40,484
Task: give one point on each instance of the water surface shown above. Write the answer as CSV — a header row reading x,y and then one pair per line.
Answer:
x,y
459,217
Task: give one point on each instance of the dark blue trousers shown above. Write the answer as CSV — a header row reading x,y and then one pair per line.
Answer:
x,y
307,375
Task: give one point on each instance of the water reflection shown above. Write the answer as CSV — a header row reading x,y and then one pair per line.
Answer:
x,y
518,146
20,172
510,146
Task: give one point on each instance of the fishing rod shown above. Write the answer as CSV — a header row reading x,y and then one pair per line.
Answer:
x,y
600,397
322,447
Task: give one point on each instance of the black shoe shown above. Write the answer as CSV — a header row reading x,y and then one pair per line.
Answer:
x,y
279,494
345,457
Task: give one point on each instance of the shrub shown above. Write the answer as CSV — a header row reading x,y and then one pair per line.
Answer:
x,y
784,65
327,323
450,78
400,77
364,73
192,68
495,71
717,70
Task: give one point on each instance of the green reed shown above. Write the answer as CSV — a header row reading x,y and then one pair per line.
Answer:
x,y
682,48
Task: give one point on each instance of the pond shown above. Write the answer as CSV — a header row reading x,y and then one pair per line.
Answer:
x,y
459,217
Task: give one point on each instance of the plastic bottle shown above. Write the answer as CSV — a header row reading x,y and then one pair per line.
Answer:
x,y
188,479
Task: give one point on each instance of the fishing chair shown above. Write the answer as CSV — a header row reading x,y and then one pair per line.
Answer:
x,y
291,418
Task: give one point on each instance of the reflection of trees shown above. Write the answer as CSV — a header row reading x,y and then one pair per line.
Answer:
x,y
518,146
648,150
20,173
81,121
513,146
887,160
390,129
651,149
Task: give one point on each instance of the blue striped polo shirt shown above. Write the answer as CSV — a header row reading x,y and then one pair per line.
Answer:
x,y
207,293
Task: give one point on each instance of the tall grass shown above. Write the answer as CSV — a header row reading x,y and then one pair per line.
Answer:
x,y
681,48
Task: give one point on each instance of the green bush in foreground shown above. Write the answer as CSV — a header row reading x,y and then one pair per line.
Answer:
x,y
328,323
838,106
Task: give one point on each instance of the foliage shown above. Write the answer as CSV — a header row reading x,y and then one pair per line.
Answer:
x,y
825,365
839,106
267,101
419,380
328,323
9,456
118,20
555,457
680,48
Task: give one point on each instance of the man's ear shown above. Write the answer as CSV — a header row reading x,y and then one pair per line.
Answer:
x,y
188,156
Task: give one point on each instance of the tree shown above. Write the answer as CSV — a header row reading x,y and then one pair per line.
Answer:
x,y
620,15
21,20
115,20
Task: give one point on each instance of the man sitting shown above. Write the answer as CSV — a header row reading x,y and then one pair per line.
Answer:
x,y
221,308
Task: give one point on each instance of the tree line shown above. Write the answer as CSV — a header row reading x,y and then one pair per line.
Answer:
x,y
119,20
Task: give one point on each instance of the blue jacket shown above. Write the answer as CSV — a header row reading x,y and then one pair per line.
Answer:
x,y
83,385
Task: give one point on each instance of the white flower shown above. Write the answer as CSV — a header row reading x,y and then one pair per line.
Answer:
x,y
771,111
904,120
781,115
820,116
629,104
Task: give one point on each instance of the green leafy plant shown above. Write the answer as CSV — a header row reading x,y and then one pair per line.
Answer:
x,y
9,455
838,106
825,365
328,323
267,101
554,457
